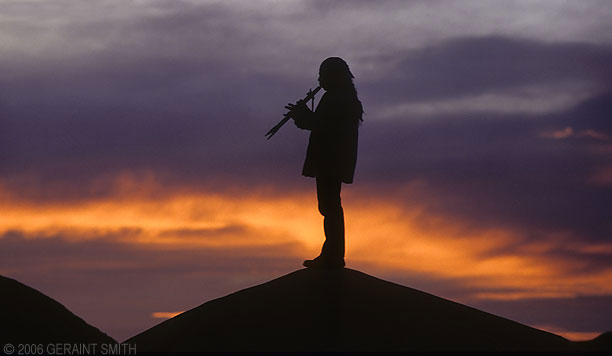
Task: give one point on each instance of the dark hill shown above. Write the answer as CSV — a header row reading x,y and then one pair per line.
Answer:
x,y
601,343
31,317
339,310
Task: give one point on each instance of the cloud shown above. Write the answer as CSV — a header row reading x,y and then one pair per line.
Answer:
x,y
165,315
559,134
432,20
569,132
567,314
145,112
502,70
385,233
150,120
522,101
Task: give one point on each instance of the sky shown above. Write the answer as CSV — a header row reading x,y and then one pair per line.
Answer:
x,y
136,181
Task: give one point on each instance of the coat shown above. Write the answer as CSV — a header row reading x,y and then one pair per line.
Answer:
x,y
332,146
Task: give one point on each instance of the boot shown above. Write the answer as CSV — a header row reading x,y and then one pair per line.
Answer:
x,y
325,263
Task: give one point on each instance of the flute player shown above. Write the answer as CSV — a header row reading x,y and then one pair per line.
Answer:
x,y
332,152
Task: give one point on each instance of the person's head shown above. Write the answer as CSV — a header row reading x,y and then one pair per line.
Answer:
x,y
334,74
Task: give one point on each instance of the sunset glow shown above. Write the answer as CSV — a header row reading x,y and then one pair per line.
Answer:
x,y
382,234
164,315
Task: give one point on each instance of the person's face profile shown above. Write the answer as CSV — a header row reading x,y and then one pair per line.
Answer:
x,y
323,80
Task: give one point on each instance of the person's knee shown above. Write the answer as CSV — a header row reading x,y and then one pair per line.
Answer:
x,y
323,209
330,207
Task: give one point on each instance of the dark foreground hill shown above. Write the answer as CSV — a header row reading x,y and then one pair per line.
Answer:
x,y
30,317
339,310
601,343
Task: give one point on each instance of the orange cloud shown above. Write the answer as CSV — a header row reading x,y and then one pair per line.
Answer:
x,y
165,315
570,335
569,132
559,134
391,238
496,263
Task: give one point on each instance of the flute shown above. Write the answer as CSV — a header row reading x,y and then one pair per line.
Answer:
x,y
287,116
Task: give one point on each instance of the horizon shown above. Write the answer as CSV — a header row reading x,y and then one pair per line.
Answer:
x,y
136,181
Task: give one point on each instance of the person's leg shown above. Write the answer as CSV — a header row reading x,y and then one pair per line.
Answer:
x,y
330,206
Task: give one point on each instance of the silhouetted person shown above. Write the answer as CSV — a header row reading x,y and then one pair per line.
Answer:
x,y
332,151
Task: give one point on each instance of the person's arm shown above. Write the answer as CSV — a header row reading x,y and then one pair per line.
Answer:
x,y
302,116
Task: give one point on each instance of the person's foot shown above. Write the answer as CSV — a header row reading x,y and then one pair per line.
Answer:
x,y
326,263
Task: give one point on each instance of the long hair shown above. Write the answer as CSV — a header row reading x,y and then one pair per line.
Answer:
x,y
342,72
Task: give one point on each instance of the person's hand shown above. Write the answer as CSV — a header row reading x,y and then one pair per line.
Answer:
x,y
301,123
299,110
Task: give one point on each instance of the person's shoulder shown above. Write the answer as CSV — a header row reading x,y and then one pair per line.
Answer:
x,y
326,97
